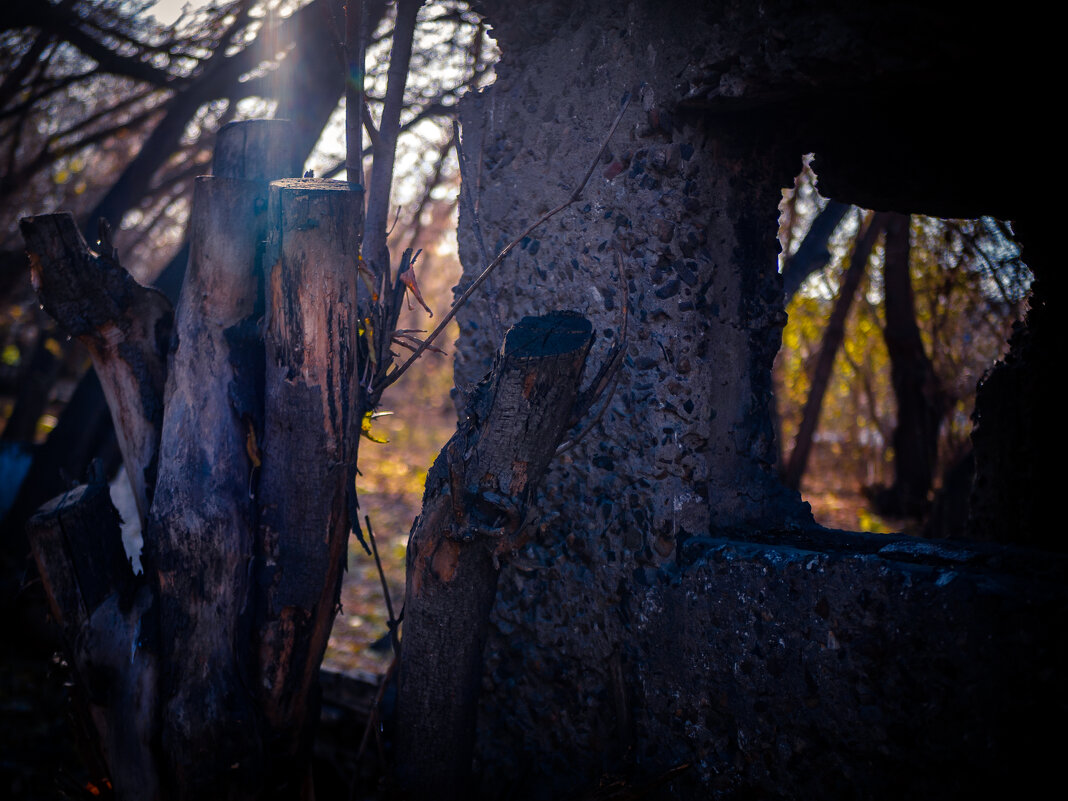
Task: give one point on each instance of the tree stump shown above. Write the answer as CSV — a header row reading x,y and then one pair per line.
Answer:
x,y
314,406
477,494
125,326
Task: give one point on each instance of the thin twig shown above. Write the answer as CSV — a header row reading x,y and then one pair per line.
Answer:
x,y
608,376
372,131
468,192
396,219
373,717
392,377
392,621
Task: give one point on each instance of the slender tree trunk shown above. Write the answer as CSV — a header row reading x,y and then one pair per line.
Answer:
x,y
386,147
920,403
814,252
355,28
832,340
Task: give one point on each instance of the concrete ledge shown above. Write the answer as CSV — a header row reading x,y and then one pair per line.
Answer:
x,y
874,667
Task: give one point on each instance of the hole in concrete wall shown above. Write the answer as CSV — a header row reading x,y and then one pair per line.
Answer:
x,y
893,377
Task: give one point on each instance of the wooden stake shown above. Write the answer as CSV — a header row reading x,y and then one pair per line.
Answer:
x,y
314,407
477,494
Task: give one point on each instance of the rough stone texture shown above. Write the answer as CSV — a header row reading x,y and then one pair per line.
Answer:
x,y
686,446
884,668
642,627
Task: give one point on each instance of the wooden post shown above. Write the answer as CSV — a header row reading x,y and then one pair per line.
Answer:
x,y
199,542
125,326
256,150
77,545
477,494
314,405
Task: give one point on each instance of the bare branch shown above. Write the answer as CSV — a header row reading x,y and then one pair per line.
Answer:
x,y
374,245
355,35
13,80
574,196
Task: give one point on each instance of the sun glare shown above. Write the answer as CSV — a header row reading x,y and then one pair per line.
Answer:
x,y
167,11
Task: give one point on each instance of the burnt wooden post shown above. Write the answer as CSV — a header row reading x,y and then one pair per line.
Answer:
x,y
193,610
199,542
77,545
125,326
476,498
314,405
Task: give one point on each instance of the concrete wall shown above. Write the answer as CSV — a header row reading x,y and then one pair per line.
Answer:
x,y
653,621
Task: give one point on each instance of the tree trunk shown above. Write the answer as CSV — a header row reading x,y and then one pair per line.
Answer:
x,y
814,251
832,340
477,497
920,403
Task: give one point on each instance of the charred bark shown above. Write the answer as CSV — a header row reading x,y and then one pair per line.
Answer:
x,y
313,409
477,496
125,326
106,618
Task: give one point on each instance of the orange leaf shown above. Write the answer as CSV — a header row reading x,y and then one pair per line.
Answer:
x,y
408,277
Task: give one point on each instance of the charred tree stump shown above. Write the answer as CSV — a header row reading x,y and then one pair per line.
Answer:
x,y
477,494
199,541
314,406
193,610
77,545
125,326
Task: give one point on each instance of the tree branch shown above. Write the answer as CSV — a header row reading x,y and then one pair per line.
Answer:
x,y
374,244
381,385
